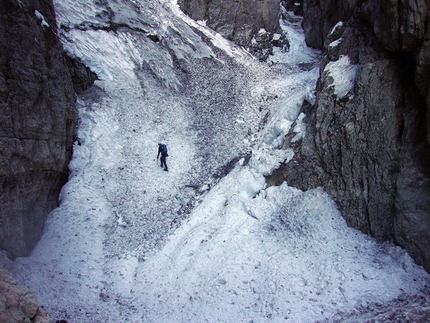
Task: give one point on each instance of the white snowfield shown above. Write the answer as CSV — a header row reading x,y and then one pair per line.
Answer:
x,y
206,241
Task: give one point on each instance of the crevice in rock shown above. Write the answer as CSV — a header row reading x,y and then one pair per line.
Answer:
x,y
82,76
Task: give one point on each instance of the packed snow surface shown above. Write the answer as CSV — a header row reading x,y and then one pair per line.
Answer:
x,y
206,241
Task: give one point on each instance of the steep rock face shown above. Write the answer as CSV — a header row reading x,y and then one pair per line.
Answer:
x,y
237,20
368,145
38,119
399,26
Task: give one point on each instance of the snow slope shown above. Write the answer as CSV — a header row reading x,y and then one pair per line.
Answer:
x,y
206,241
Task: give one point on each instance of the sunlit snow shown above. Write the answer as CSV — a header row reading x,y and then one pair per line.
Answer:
x,y
342,73
206,241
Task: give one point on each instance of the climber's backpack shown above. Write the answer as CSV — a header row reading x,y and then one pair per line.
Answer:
x,y
164,150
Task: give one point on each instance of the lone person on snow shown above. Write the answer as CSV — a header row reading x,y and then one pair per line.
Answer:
x,y
162,150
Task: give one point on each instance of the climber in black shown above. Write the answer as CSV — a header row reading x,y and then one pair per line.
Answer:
x,y
162,150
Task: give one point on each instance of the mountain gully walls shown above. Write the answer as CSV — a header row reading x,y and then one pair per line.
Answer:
x,y
370,149
38,119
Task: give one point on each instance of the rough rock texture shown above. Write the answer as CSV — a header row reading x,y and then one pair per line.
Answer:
x,y
294,6
17,303
82,77
370,148
38,119
237,20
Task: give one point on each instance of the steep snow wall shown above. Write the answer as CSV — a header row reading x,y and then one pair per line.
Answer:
x,y
368,134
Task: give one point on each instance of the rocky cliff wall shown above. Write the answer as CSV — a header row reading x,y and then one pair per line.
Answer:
x,y
38,119
236,20
368,144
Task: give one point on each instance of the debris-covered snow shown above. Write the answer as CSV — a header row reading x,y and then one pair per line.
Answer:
x,y
206,241
298,54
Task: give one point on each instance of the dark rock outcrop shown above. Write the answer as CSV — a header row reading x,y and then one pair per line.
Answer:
x,y
38,120
236,20
82,76
293,6
369,147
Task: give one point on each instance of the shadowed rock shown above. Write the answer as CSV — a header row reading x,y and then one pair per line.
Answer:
x,y
369,148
